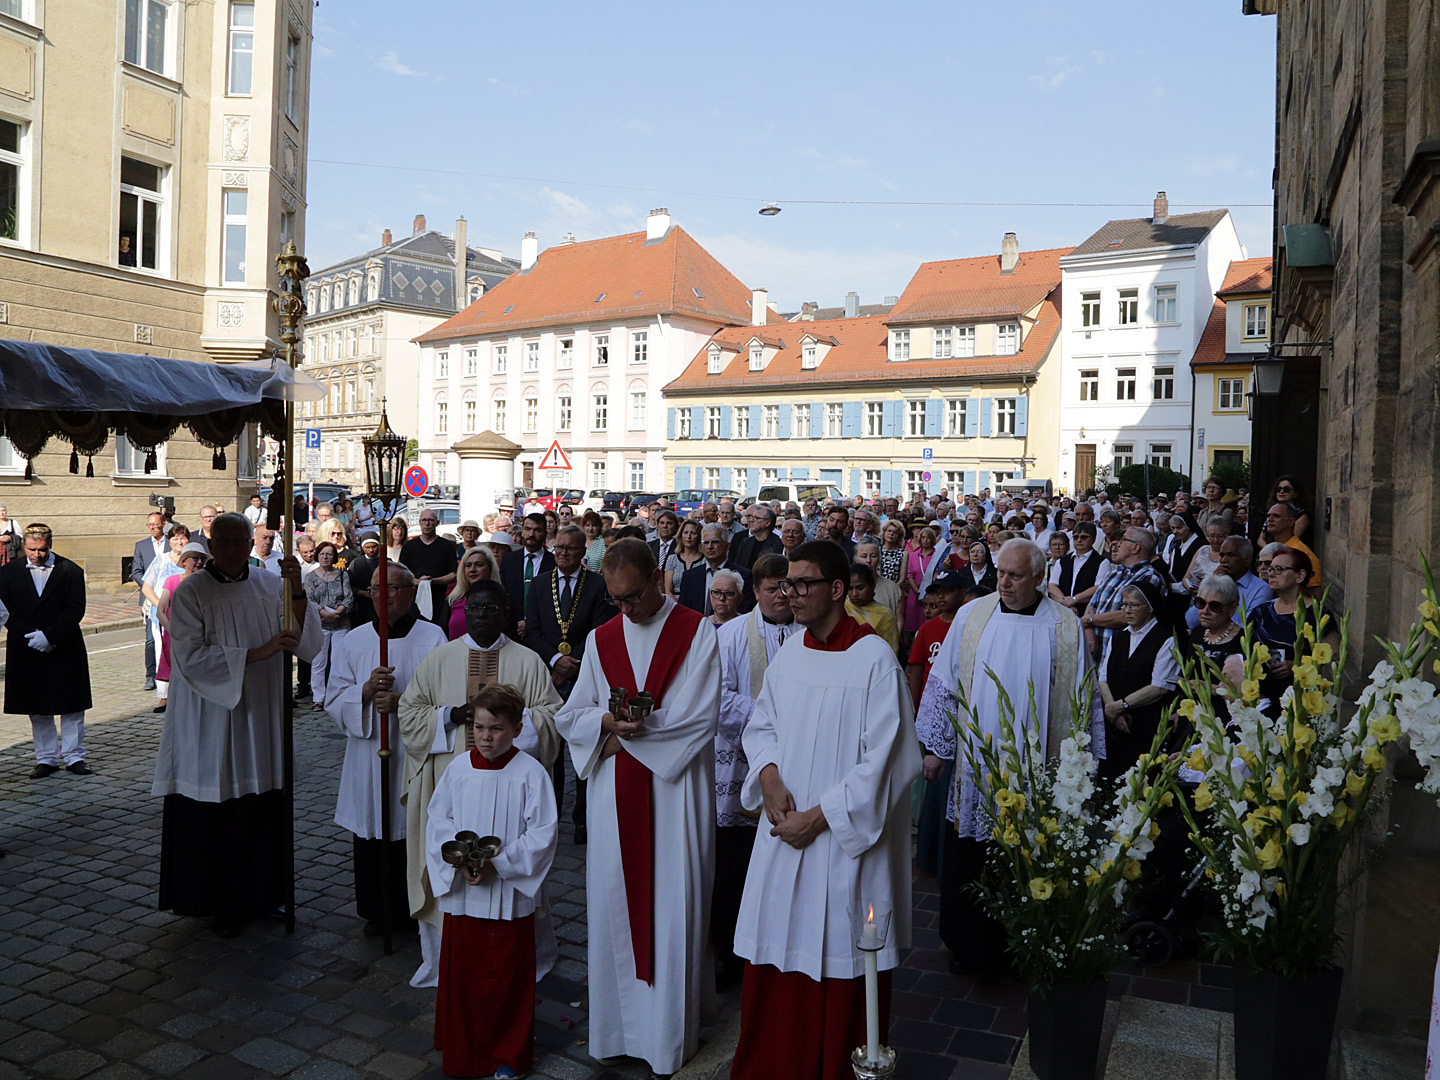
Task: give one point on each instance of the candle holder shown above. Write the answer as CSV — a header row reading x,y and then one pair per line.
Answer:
x,y
640,708
870,928
872,1070
470,851
617,699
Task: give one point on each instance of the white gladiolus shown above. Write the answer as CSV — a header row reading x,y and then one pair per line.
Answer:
x,y
1299,834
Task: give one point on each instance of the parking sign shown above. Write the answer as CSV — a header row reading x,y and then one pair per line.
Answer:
x,y
312,438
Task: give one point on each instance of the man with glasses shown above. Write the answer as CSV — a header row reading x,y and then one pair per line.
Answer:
x,y
694,590
1236,554
832,751
651,774
361,694
1131,552
760,540
432,560
435,715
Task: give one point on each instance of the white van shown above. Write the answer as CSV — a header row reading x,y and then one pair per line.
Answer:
x,y
798,491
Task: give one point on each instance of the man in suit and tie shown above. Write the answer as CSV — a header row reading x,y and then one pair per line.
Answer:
x,y
47,672
565,604
760,539
667,525
519,569
694,591
146,552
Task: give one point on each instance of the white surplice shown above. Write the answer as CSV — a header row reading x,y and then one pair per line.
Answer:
x,y
658,1022
839,727
516,804
222,737
357,807
736,704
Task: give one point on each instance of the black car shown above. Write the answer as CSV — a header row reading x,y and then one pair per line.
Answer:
x,y
624,503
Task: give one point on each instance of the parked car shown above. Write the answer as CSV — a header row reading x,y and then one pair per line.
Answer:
x,y
327,491
448,510
515,497
689,499
623,503
594,499
798,491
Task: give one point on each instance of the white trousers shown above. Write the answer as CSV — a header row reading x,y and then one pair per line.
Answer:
x,y
70,744
320,666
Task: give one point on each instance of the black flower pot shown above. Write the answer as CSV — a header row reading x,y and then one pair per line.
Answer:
x,y
1065,1028
1284,1026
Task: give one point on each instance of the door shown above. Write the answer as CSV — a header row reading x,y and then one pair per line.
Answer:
x,y
1084,468
527,470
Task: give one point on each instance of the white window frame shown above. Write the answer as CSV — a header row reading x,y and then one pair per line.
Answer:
x,y
240,42
1090,384
143,195
914,485
597,473
566,359
11,463
501,359
292,75
140,10
834,420
683,426
1007,339
870,481
564,412
943,342
532,356
956,414
602,350
1232,387
639,348
757,358
1127,307
809,356
769,476
1125,384
442,362
636,472
1165,303
800,421
874,420
472,415
899,345
599,415
532,415
130,460
233,229
1161,455
472,363
770,421
914,419
638,409
1162,385
712,422
964,342
16,159
711,475
1005,410
741,421
712,362
1258,328
441,469
498,410
1090,309
1123,455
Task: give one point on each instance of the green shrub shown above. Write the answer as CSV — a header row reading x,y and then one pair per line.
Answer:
x,y
1131,480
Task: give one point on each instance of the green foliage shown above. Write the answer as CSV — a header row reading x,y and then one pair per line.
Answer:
x,y
1234,475
1131,480
412,450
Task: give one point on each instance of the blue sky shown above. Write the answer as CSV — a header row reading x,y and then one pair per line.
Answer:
x,y
592,105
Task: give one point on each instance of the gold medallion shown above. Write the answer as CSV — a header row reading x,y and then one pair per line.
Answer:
x,y
563,648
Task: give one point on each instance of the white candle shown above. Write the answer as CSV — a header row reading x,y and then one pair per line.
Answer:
x,y
872,1007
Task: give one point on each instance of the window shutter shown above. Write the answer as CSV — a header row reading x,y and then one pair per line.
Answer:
x,y
752,474
682,476
1022,411
850,426
725,474
892,480
800,474
985,428
784,421
890,422
855,482
831,476
932,486
933,408
726,427
697,422
780,474
972,421
817,419
670,424
754,422
968,483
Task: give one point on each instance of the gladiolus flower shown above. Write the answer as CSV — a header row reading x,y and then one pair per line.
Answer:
x,y
1132,869
1187,709
1313,702
1300,834
1011,837
1271,854
1306,675
1430,610
1041,888
1092,876
1385,729
1354,783
1304,735
1373,758
1203,799
1250,691
1261,653
1196,760
1323,653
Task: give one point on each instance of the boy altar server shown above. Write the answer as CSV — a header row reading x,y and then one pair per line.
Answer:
x,y
485,1010
832,752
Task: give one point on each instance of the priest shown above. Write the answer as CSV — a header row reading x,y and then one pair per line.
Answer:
x,y
832,753
1027,640
435,716
650,815
220,766
358,692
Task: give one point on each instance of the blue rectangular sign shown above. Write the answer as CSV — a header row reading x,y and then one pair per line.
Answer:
x,y
312,438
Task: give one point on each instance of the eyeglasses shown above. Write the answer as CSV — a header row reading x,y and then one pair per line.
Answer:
x,y
485,609
721,594
1211,605
395,589
627,601
800,586
1285,487
1130,605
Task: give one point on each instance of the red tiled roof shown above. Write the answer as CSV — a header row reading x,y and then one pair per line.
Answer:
x,y
1247,277
975,288
1211,349
673,274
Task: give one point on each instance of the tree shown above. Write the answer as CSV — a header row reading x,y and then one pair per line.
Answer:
x,y
1131,480
1235,475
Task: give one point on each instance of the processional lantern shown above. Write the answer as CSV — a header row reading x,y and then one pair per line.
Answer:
x,y
384,462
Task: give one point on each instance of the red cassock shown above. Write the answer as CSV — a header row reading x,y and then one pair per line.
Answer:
x,y
809,1029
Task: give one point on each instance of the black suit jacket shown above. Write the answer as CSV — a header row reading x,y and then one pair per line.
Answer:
x,y
747,550
542,628
655,549
693,583
512,576
54,682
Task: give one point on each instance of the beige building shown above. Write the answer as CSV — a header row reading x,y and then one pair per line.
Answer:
x,y
152,158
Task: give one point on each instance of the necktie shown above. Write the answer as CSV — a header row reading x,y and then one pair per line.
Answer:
x,y
567,596
529,573
709,574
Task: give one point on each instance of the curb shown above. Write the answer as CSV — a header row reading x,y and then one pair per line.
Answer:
x,y
127,623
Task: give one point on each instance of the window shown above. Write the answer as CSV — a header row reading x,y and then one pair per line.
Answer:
x,y
944,343
637,411
900,345
602,350
711,476
769,476
352,342
440,470
242,49
442,364
599,414
914,485
872,481
562,413
742,422
915,418
352,290
1160,454
964,341
1257,321
350,395
502,358
532,415
636,469
130,460
1165,303
800,421
683,425
1090,384
1164,384
1128,312
369,395
1230,394
1005,416
472,363
292,75
1124,455
712,362
141,219
874,418
639,347
770,421
597,474
1089,309
471,416
1125,384
12,163
1007,339
757,358
146,34
955,416
233,241
497,410
335,390
998,478
567,353
956,483
532,356
834,420
809,357
712,422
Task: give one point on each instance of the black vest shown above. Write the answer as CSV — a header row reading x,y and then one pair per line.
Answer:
x,y
1072,583
1127,674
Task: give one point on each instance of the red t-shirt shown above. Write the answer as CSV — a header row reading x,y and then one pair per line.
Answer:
x,y
927,643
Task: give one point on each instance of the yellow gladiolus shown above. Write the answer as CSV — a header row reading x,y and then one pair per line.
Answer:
x,y
1432,629
1041,888
1313,702
1204,798
1006,798
1250,691
1306,675
1308,632
1280,888
1323,653
1354,783
1373,758
1050,825
1196,760
1271,854
1430,610
1187,709
1436,666
1154,830
1254,823
1011,837
1132,869
1167,799
1304,735
1385,729
1261,653
1341,814
1092,876
1276,788
997,834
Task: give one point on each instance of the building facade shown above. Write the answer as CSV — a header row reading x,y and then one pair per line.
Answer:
x,y
364,316
575,348
1222,369
955,388
1138,293
152,164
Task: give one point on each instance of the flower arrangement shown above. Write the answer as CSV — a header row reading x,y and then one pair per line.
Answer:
x,y
1283,798
1064,859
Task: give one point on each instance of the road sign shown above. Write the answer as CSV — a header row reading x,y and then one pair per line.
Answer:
x,y
1202,438
555,458
927,454
416,481
312,438
925,476
312,465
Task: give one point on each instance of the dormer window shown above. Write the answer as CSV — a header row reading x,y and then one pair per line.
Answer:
x,y
900,345
713,365
809,357
1007,339
757,358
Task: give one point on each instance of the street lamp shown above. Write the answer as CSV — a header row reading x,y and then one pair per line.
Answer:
x,y
384,464
1269,374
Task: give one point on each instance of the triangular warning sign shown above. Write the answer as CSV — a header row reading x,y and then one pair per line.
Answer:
x,y
555,457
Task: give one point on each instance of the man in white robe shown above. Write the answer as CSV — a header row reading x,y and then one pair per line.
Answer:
x,y
358,691
220,766
650,814
832,753
1026,639
434,713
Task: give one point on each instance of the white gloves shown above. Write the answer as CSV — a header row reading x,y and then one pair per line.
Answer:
x,y
38,641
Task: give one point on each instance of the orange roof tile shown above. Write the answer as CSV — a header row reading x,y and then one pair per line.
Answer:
x,y
618,277
1211,349
975,288
1247,277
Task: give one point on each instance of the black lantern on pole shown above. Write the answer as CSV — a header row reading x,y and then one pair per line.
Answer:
x,y
384,463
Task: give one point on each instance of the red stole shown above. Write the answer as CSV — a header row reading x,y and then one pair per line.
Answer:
x,y
632,779
847,631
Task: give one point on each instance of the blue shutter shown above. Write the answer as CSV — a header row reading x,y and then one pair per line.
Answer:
x,y
697,422
784,421
893,480
985,418
933,486
780,474
754,421
1022,413
726,429
752,475
817,419
856,487
725,476
972,421
982,480
682,476
850,426
890,419
831,476
800,474
967,483
932,417
670,424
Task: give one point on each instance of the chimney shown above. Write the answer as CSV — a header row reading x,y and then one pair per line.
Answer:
x,y
461,251
419,225
852,305
529,251
657,224
1009,253
759,307
1162,209
808,309
891,301
385,238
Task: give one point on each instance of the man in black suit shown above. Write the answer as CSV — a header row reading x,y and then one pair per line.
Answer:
x,y
760,539
694,591
519,570
146,552
47,670
667,525
565,604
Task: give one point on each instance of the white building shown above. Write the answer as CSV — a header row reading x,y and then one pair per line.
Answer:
x,y
576,347
1137,296
1239,331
